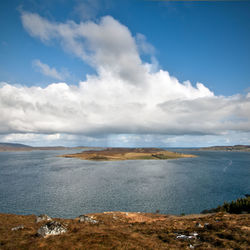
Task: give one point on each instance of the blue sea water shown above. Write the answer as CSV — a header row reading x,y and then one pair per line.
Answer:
x,y
40,182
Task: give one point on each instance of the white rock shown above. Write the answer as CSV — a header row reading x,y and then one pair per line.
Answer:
x,y
186,237
182,237
51,228
85,218
17,228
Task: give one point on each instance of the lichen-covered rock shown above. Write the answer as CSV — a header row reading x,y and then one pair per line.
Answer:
x,y
85,218
43,217
51,228
17,228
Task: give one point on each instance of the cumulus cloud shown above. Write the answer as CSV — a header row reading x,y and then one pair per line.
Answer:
x,y
108,46
48,71
124,97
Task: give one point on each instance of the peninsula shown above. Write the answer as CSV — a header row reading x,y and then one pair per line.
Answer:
x,y
237,148
119,154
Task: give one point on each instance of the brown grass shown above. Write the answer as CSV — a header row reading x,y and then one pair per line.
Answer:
x,y
118,154
120,230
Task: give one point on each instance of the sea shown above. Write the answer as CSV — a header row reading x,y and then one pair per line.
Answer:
x,y
38,182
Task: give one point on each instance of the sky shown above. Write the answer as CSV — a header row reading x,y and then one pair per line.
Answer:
x,y
125,73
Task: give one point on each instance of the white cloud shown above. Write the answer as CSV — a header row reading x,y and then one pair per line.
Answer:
x,y
108,45
125,97
87,9
143,45
48,71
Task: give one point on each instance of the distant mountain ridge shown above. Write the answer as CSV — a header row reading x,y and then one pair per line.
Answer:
x,y
5,146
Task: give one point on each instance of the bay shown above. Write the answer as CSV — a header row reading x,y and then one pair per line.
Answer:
x,y
40,182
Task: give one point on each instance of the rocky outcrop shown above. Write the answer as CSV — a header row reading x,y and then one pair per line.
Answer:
x,y
51,228
85,218
43,217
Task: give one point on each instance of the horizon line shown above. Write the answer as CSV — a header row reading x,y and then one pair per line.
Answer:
x,y
198,0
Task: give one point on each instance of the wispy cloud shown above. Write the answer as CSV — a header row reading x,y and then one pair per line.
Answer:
x,y
89,9
46,70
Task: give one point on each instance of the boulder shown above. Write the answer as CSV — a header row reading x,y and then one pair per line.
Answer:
x,y
51,228
43,217
85,218
187,237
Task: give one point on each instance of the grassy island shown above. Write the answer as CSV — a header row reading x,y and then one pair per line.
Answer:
x,y
119,154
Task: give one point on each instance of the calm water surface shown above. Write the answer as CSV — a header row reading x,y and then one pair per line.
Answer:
x,y
39,182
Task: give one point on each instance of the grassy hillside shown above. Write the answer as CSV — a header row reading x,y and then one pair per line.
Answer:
x,y
120,230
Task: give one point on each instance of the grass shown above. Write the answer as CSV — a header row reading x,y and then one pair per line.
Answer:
x,y
119,230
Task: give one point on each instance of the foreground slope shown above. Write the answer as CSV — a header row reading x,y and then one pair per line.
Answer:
x,y
120,230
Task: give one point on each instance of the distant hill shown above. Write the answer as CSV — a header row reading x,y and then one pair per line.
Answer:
x,y
22,147
228,148
14,145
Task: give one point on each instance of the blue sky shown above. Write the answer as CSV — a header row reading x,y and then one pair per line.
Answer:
x,y
204,42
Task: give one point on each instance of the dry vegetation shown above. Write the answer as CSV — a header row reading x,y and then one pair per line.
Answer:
x,y
119,230
118,154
